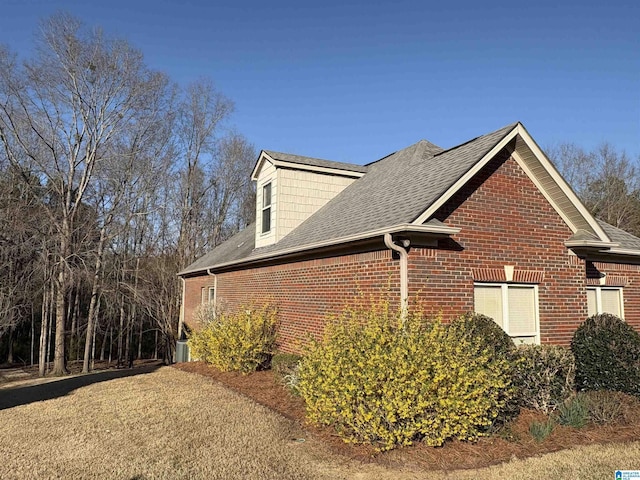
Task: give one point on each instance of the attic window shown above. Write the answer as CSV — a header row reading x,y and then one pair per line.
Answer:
x,y
266,208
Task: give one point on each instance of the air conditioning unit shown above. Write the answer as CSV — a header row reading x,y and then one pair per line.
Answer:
x,y
182,351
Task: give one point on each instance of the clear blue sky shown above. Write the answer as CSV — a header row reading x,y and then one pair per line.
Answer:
x,y
355,80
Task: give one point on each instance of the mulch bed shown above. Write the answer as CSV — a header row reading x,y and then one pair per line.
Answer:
x,y
265,389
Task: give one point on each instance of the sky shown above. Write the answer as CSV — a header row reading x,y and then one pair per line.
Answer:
x,y
355,80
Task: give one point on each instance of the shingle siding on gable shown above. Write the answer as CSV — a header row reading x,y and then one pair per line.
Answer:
x,y
505,220
303,193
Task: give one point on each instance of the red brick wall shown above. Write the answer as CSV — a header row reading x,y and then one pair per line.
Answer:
x,y
505,220
307,292
193,295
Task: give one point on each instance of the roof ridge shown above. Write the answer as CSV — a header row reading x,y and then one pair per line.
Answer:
x,y
427,143
506,127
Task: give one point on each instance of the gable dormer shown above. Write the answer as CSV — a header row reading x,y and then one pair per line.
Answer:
x,y
291,188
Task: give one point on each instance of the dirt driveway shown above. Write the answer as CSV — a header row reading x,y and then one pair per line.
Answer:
x,y
166,424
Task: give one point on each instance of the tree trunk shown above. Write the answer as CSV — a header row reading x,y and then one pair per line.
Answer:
x,y
155,350
93,335
10,346
32,334
44,339
110,343
50,329
72,313
62,283
120,333
59,357
94,300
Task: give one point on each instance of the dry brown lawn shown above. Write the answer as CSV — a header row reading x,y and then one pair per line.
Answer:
x,y
173,424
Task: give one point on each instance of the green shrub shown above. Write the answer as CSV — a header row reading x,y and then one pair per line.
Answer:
x,y
607,353
241,341
573,412
380,380
483,327
541,430
543,376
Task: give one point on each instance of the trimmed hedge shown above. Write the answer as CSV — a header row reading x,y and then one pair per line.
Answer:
x,y
607,353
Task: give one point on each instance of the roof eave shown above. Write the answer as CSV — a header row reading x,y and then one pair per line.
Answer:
x,y
591,244
435,231
596,250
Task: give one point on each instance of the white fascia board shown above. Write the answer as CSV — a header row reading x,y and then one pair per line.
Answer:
x,y
401,228
300,166
624,251
590,244
424,216
564,186
313,168
261,159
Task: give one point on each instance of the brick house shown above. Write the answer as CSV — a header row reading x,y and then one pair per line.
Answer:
x,y
488,225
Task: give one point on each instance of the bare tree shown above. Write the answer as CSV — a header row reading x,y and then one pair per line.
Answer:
x,y
59,115
200,114
605,179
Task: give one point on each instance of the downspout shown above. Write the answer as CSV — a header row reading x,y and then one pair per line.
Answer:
x,y
181,319
215,286
404,271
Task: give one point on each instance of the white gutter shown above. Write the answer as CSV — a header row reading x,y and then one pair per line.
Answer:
x,y
403,227
181,318
404,272
590,244
624,251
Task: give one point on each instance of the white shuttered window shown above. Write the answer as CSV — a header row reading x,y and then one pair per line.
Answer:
x,y
605,300
513,307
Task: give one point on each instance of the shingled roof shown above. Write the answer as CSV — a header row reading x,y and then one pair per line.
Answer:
x,y
315,162
395,190
624,239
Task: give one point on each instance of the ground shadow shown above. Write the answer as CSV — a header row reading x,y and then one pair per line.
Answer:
x,y
12,397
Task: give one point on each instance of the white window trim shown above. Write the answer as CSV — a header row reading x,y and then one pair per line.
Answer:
x,y
598,290
265,207
505,307
205,292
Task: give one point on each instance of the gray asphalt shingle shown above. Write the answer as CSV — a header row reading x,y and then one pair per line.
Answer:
x,y
625,239
315,162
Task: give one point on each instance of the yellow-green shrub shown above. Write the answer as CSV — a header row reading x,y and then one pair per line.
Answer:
x,y
242,340
380,380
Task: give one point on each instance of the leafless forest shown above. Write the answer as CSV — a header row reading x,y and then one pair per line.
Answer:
x,y
113,178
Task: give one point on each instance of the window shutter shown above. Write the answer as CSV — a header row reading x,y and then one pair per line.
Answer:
x,y
522,311
488,301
